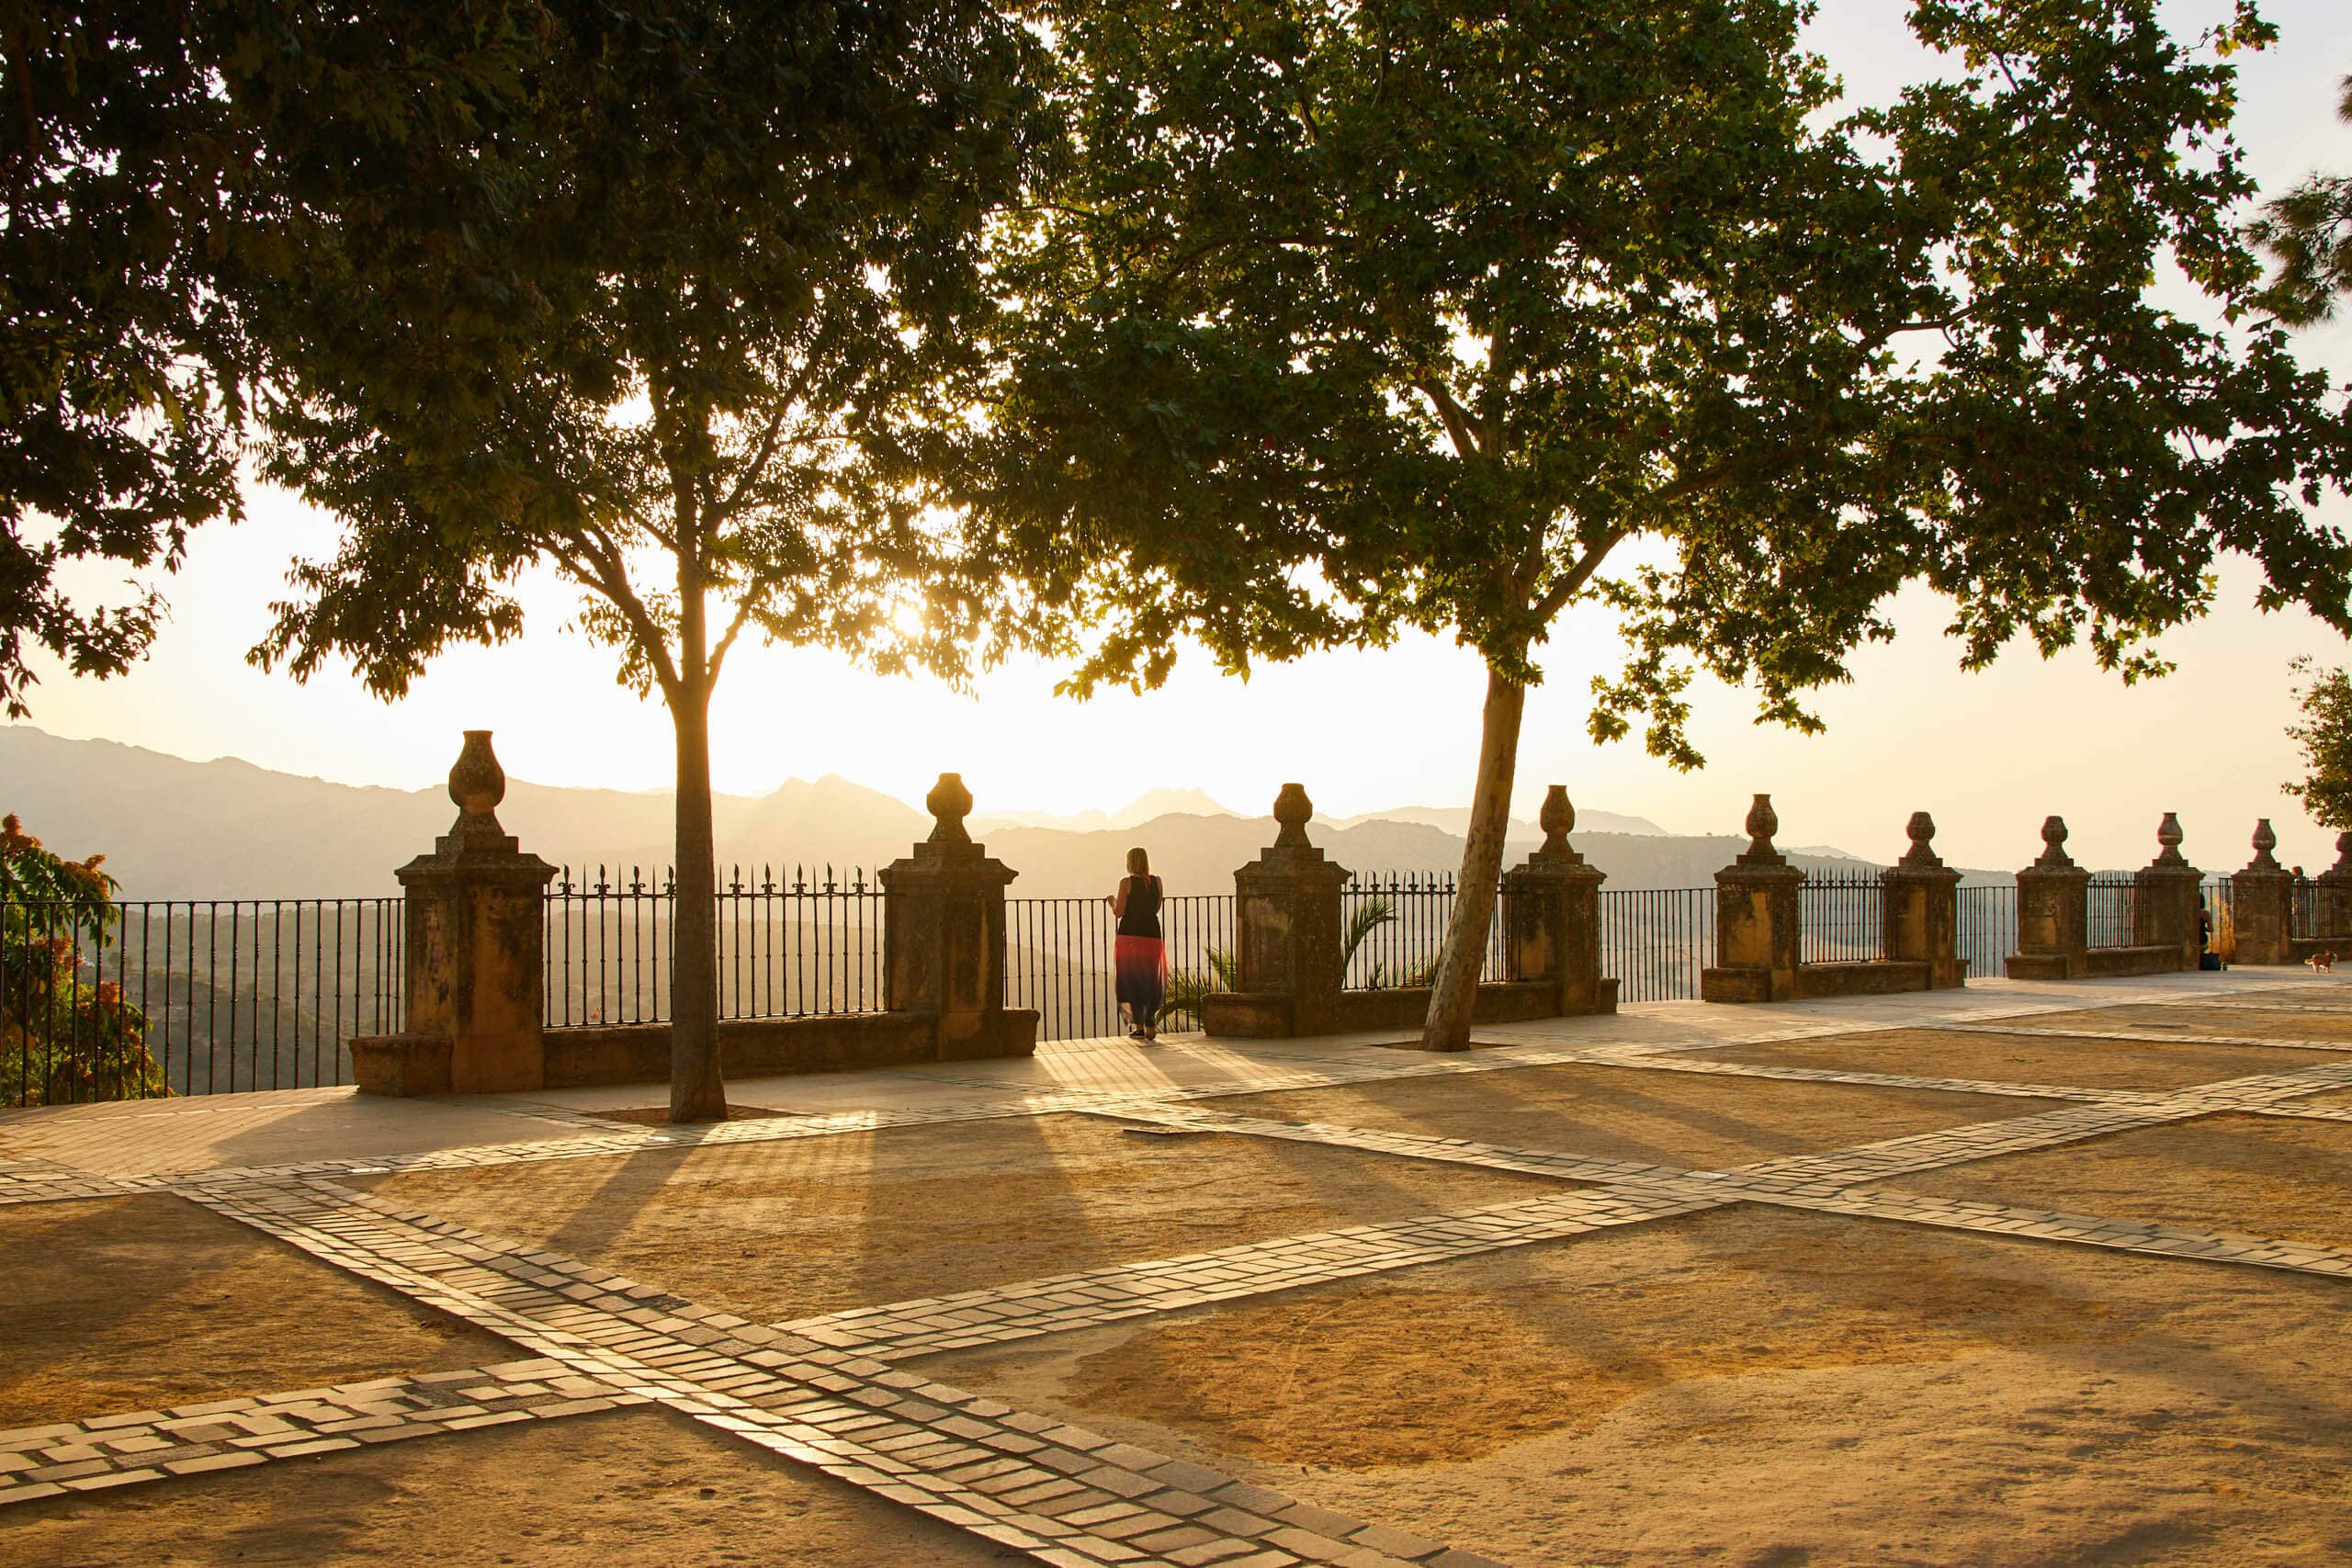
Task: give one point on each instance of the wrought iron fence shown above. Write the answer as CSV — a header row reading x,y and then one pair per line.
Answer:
x,y
193,997
1841,915
2107,911
2302,910
1393,929
1059,960
1988,927
788,947
1657,940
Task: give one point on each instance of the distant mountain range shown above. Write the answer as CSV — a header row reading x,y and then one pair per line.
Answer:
x,y
175,828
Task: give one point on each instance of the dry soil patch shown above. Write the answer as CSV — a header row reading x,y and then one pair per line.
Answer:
x,y
2258,1175
118,1304
2214,1018
1696,1121
1760,1387
2026,1058
801,1226
632,1489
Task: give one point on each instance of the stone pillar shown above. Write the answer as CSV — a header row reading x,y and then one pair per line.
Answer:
x,y
2262,903
1922,908
1552,916
1756,919
2166,897
2054,913
476,965
943,936
2332,895
1286,921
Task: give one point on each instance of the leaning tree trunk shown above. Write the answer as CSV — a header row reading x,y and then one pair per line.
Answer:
x,y
1455,996
696,1091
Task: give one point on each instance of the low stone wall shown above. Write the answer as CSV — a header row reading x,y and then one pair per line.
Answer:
x,y
1243,1015
592,1055
2114,963
1873,977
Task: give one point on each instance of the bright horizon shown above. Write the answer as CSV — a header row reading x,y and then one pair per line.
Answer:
x,y
1989,755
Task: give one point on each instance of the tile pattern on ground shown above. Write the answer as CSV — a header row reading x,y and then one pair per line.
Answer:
x,y
228,1434
1067,1497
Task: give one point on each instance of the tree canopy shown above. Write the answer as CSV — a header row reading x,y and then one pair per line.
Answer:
x,y
2308,231
2324,733
662,317
118,366
1352,319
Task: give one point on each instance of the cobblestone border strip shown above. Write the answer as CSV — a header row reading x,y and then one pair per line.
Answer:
x,y
228,1434
1090,1299
1067,1497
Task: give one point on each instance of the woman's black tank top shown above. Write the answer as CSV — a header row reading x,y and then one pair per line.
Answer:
x,y
1142,918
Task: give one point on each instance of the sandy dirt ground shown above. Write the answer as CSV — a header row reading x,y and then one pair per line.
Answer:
x,y
130,1304
2199,1017
2020,1059
630,1489
2260,1175
1665,1117
790,1229
1762,1389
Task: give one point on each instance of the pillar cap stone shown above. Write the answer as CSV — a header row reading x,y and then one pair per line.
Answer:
x,y
1921,855
1762,823
1293,812
476,847
2053,856
1558,819
949,803
2265,840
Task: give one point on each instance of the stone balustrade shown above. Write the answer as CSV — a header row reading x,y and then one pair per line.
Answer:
x,y
1758,925
1289,942
476,970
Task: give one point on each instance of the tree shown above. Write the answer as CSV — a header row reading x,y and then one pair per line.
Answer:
x,y
2308,231
63,1038
662,318
118,368
1354,319
2325,736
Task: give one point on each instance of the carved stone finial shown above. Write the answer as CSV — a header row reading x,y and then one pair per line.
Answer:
x,y
477,783
2053,856
1762,823
2342,854
2265,840
1293,810
2169,836
1557,818
949,803
1921,855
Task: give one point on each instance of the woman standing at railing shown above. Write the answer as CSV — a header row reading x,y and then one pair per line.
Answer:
x,y
1139,956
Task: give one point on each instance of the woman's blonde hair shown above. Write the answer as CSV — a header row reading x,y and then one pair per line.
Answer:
x,y
1138,862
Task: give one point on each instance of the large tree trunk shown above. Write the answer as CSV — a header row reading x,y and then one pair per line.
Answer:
x,y
1455,995
696,1091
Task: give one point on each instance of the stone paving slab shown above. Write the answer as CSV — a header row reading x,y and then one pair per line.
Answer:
x,y
1067,1496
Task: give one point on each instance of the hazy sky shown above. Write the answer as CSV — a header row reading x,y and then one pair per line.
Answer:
x,y
1989,754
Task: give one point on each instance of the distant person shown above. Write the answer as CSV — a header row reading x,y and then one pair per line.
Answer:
x,y
1140,955
2205,957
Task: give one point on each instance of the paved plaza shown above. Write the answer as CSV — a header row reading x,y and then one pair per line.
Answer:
x,y
2019,1274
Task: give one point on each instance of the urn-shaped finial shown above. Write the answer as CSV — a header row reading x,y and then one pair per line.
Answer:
x,y
1762,823
2169,836
2343,854
949,803
1293,811
477,783
2265,840
1921,855
2053,856
1558,819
